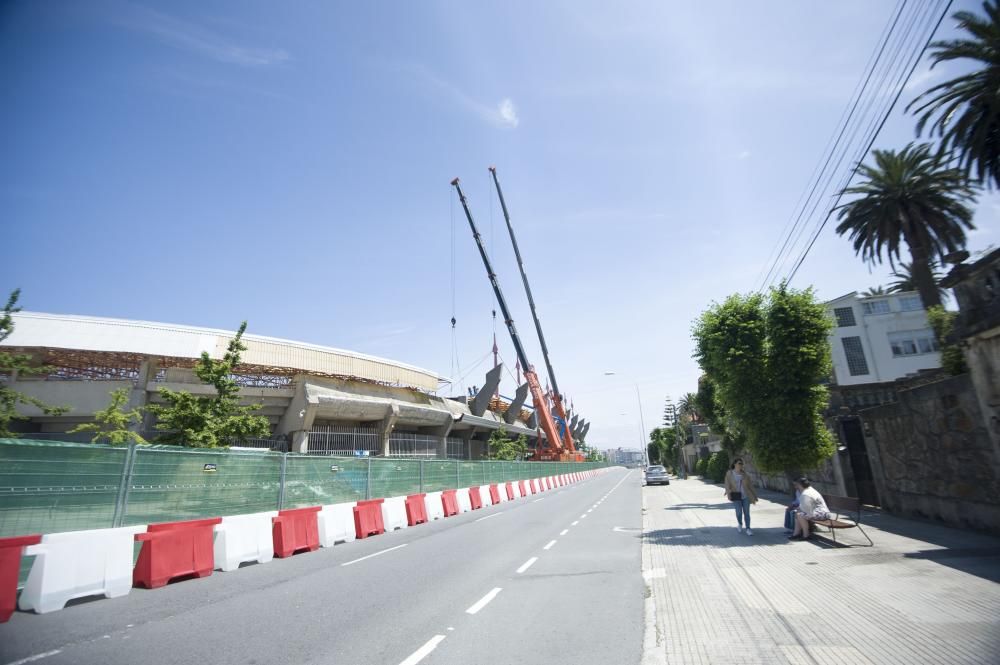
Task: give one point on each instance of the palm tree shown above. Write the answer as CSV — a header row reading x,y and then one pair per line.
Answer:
x,y
686,406
904,278
874,291
968,107
913,196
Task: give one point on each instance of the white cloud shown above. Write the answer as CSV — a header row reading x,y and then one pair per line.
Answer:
x,y
504,115
196,39
508,113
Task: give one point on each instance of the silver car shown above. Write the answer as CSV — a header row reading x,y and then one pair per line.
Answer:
x,y
657,475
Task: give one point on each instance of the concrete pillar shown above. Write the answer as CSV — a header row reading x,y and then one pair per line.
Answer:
x,y
443,432
139,396
298,418
485,394
388,424
515,407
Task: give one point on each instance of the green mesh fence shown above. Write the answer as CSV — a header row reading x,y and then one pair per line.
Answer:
x,y
49,486
440,475
169,483
395,477
313,480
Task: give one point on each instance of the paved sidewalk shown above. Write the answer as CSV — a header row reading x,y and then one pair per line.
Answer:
x,y
923,594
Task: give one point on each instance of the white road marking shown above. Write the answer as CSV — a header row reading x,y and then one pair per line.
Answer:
x,y
591,510
488,516
564,532
583,517
575,523
481,603
549,546
37,656
423,651
537,500
376,554
527,564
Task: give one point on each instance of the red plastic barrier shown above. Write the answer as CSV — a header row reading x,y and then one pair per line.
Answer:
x,y
416,510
449,501
494,494
521,486
368,518
11,550
174,549
295,530
475,499
510,492
534,486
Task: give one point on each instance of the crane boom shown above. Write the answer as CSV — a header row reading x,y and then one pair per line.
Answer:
x,y
537,397
557,396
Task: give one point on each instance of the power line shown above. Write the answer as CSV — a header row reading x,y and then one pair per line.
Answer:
x,y
854,171
845,118
894,69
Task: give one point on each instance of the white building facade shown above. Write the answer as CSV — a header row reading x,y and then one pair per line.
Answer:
x,y
879,339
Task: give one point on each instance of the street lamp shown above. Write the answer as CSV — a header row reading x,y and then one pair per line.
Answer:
x,y
642,423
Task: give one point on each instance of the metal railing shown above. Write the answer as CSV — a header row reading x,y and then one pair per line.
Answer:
x,y
344,440
406,444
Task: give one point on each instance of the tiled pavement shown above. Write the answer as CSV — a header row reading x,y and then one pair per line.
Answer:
x,y
923,594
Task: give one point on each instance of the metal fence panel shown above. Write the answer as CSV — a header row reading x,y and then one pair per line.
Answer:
x,y
47,486
440,475
394,477
316,480
170,483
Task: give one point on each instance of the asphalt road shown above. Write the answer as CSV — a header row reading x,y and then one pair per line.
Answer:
x,y
554,578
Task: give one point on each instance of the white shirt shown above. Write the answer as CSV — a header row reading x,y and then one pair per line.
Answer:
x,y
811,503
738,479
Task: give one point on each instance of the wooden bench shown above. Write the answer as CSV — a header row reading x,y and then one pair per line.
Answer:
x,y
842,509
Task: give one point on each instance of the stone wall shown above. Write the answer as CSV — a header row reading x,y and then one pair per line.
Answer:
x,y
932,457
825,479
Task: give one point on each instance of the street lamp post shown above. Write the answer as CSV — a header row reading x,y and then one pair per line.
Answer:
x,y
642,424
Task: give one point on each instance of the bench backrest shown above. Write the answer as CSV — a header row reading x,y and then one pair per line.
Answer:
x,y
843,504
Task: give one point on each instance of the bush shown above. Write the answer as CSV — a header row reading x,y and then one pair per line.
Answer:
x,y
699,467
717,466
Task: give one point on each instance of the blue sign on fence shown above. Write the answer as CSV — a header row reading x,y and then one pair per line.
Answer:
x,y
361,453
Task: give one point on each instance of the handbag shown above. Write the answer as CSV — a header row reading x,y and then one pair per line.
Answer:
x,y
736,496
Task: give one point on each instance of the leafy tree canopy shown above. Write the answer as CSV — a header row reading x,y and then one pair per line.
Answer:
x,y
765,358
502,447
112,423
210,421
11,363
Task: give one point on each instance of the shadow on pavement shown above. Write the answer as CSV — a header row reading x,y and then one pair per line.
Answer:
x,y
713,537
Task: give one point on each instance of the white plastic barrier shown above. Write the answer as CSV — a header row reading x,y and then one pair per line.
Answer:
x,y
394,513
464,502
336,524
484,494
75,564
502,492
516,486
240,538
433,506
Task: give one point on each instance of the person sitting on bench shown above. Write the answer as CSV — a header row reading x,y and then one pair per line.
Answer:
x,y
811,507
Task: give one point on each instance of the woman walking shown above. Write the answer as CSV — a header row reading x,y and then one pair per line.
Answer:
x,y
740,490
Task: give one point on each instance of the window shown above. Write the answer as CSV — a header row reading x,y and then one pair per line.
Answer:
x,y
856,362
912,343
845,317
876,307
910,304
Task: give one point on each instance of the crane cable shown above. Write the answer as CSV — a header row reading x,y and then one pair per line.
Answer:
x,y
874,136
455,362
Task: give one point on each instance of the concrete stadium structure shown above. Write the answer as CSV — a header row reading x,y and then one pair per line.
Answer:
x,y
317,399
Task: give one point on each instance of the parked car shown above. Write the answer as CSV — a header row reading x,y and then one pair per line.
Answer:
x,y
656,475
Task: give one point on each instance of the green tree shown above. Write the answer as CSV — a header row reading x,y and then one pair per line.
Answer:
x,y
964,112
112,423
686,406
502,447
875,291
943,323
210,422
766,357
653,452
11,363
717,465
910,196
904,279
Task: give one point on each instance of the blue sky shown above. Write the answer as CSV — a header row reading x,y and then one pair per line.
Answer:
x,y
208,162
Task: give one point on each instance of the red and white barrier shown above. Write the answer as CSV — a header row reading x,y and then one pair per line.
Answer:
x,y
394,513
336,524
242,538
